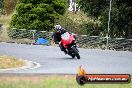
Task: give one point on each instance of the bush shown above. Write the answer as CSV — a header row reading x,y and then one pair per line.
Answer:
x,y
37,14
93,28
73,22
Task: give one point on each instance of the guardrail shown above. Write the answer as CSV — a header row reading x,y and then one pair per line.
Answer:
x,y
83,41
100,42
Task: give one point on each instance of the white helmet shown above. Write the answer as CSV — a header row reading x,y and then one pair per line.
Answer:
x,y
57,27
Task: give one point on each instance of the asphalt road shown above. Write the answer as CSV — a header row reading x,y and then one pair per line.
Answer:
x,y
53,61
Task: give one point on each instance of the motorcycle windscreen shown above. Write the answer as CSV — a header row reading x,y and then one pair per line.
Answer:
x,y
67,38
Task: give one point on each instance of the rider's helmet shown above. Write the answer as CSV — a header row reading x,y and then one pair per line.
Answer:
x,y
58,27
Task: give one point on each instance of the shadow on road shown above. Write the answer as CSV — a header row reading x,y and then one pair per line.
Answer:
x,y
68,58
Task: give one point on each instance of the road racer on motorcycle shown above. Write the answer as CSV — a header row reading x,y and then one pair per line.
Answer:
x,y
66,41
57,36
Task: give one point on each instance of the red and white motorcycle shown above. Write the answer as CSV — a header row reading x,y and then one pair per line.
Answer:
x,y
68,41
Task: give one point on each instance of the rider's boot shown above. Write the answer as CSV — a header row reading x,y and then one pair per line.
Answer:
x,y
65,51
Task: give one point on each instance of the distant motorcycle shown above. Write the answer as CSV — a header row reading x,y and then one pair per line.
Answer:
x,y
68,41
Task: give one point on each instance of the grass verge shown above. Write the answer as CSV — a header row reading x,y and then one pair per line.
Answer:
x,y
10,62
52,81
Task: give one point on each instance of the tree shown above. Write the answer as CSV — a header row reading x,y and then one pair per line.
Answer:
x,y
125,17
37,14
121,15
93,8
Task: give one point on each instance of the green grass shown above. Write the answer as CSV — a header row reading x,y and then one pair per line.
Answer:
x,y
52,82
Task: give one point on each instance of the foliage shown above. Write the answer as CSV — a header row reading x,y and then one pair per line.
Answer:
x,y
92,28
121,15
93,8
37,14
74,22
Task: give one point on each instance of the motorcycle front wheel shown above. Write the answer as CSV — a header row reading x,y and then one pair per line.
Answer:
x,y
76,52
